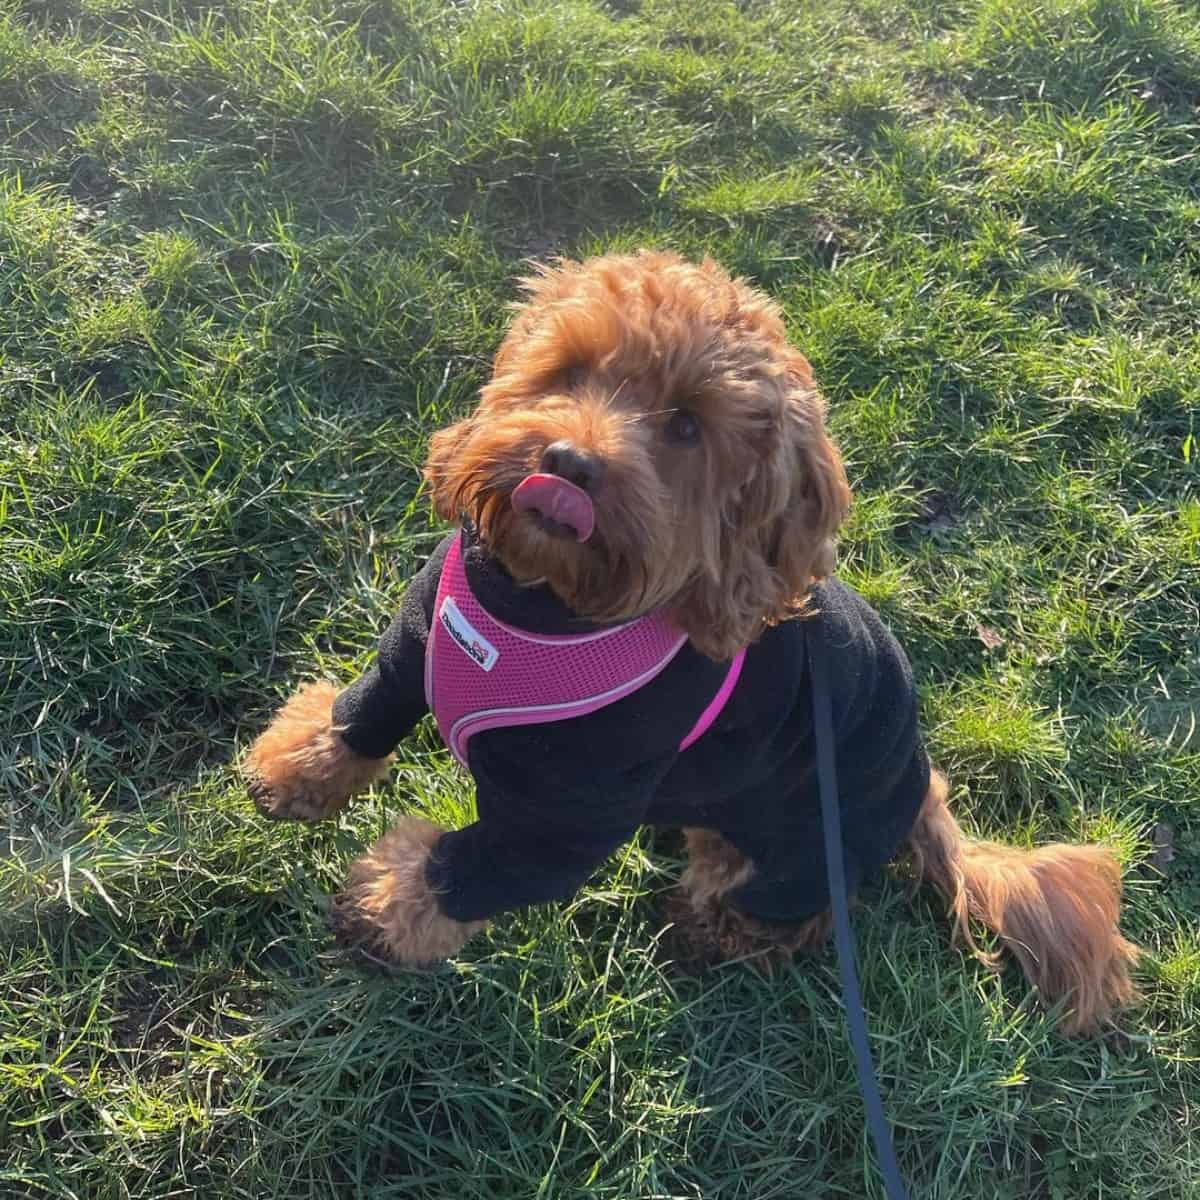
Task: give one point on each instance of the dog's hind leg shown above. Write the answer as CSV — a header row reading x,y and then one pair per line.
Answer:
x,y
708,928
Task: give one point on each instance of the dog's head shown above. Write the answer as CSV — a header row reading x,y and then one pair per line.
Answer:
x,y
649,439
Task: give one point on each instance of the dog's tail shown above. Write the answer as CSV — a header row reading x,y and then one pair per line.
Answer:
x,y
1055,908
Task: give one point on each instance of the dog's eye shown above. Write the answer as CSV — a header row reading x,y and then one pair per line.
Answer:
x,y
683,429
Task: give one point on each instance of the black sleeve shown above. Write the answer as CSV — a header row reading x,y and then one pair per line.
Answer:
x,y
553,805
378,709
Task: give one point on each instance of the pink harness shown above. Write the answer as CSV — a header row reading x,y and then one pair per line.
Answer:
x,y
483,674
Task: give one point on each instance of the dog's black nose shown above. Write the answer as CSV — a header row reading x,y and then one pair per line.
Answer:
x,y
576,466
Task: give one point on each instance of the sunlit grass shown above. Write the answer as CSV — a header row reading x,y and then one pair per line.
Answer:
x,y
252,254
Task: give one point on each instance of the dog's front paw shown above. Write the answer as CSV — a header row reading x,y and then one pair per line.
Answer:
x,y
291,802
387,907
300,769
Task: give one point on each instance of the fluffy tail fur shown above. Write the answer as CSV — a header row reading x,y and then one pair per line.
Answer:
x,y
1055,908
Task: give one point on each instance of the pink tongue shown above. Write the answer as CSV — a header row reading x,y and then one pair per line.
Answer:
x,y
556,498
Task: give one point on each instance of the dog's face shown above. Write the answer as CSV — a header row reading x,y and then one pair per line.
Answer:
x,y
649,439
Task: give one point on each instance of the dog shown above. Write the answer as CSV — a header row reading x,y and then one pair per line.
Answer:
x,y
645,504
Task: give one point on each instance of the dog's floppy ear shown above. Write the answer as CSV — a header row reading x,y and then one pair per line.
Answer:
x,y
444,468
801,545
777,535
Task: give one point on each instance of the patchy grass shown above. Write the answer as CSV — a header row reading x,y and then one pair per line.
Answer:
x,y
252,253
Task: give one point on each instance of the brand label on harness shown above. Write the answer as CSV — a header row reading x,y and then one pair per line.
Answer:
x,y
473,644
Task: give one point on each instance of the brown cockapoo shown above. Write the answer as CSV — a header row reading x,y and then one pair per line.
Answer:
x,y
646,501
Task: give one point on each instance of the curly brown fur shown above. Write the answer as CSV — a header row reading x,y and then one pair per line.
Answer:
x,y
300,769
1055,908
715,866
707,929
727,529
728,533
388,907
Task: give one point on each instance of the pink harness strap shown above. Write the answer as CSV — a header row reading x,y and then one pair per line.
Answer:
x,y
713,710
482,674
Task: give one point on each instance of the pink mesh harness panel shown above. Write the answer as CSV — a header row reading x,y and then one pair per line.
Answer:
x,y
483,674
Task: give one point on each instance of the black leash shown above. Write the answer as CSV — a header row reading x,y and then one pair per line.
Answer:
x,y
843,936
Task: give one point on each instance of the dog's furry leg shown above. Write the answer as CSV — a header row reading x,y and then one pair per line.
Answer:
x,y
708,929
1055,908
387,906
300,769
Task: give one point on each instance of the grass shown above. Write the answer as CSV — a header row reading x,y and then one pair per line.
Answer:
x,y
252,253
